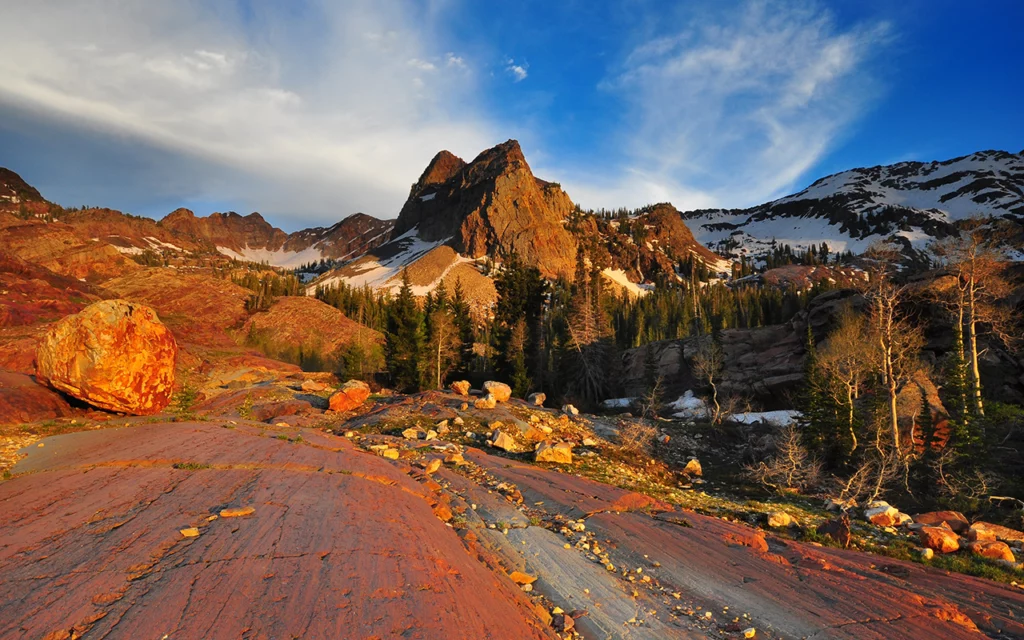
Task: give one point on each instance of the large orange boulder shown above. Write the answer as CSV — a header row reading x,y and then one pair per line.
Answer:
x,y
953,519
352,394
940,539
114,354
992,549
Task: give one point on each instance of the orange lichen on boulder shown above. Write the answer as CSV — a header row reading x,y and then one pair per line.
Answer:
x,y
351,395
115,355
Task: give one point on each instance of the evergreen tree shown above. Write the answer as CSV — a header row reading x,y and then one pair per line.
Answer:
x,y
404,350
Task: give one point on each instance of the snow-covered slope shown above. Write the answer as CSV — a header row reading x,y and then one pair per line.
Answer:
x,y
910,202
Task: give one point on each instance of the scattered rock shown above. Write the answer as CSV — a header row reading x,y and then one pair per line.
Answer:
x,y
114,354
499,390
992,549
312,386
537,399
389,453
465,405
237,512
903,519
693,468
351,395
980,533
461,387
190,532
1005,534
881,515
955,520
560,453
519,577
458,421
433,466
590,442
570,410
487,402
455,458
414,433
502,440
780,519
832,504
926,553
749,632
270,411
940,539
838,529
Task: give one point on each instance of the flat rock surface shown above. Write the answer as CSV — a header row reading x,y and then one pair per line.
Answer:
x,y
788,588
341,543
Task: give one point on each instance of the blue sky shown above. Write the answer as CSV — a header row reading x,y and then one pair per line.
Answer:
x,y
308,110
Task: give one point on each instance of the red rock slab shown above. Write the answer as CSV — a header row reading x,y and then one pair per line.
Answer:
x,y
803,591
791,588
569,495
23,400
341,543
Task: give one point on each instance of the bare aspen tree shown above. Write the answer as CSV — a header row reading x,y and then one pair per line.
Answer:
x,y
895,339
845,360
976,260
708,362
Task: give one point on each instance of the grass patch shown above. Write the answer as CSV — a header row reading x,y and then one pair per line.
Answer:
x,y
190,466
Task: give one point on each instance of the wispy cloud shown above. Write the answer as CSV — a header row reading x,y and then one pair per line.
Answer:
x,y
330,112
518,71
733,110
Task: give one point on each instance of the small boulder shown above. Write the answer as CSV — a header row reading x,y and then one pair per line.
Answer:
x,y
992,549
693,468
351,395
455,459
312,386
414,433
486,402
433,466
503,441
114,354
903,520
501,391
780,519
590,442
834,504
926,553
560,453
271,411
389,453
237,512
956,520
980,533
1000,532
460,387
940,539
570,410
881,515
519,577
838,530
537,399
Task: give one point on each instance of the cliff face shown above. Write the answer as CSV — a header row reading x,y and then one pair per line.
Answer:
x,y
492,206
229,230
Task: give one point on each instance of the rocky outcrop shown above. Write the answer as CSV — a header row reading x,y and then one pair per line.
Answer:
x,y
114,355
492,206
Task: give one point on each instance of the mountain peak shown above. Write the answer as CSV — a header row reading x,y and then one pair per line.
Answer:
x,y
441,169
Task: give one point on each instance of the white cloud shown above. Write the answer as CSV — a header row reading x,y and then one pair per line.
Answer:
x,y
734,111
422,65
321,115
518,71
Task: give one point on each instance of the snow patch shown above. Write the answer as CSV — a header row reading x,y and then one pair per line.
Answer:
x,y
279,258
689,406
780,418
618,276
